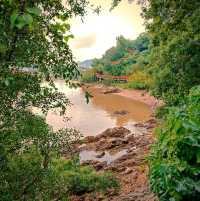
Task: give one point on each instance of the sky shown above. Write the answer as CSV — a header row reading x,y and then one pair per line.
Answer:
x,y
97,33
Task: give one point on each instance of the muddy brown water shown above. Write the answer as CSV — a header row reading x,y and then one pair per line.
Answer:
x,y
102,112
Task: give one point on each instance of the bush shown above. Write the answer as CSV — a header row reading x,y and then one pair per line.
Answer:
x,y
139,80
88,76
175,157
28,180
108,82
82,179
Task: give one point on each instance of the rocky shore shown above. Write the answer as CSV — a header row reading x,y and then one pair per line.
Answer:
x,y
124,154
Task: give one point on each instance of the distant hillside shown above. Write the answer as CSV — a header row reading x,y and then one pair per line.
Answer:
x,y
124,58
86,64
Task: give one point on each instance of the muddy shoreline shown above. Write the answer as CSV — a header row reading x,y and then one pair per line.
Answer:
x,y
121,151
134,94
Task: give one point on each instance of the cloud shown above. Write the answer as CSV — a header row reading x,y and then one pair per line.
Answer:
x,y
85,41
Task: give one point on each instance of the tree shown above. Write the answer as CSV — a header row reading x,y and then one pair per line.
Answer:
x,y
175,47
175,56
33,36
122,59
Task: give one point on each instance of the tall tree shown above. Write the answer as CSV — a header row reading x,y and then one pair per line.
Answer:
x,y
175,57
33,49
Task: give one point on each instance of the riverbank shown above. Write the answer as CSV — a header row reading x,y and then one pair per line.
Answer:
x,y
134,94
123,153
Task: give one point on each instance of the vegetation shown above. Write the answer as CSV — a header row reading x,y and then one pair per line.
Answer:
x,y
166,60
129,57
120,60
88,76
175,158
174,65
175,52
139,80
34,36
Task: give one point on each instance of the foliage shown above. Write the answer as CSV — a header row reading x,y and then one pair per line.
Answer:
x,y
83,179
175,55
62,179
34,50
175,158
139,80
88,76
120,60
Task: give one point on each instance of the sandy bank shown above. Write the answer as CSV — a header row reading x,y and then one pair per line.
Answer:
x,y
134,94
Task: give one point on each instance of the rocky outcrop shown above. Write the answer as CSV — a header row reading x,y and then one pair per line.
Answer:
x,y
114,132
129,151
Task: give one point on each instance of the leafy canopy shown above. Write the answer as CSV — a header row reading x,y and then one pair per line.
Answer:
x,y
34,50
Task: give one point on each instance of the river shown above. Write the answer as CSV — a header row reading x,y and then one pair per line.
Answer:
x,y
102,112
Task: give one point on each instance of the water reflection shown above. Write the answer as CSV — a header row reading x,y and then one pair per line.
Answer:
x,y
100,113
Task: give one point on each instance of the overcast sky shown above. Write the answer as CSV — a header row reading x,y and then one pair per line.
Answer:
x,y
98,32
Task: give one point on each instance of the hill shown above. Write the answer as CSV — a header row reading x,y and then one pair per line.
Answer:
x,y
87,64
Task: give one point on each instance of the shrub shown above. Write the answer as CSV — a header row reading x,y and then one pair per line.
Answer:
x,y
108,82
175,157
89,76
82,179
139,80
28,180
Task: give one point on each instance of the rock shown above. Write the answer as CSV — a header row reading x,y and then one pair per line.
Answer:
x,y
151,121
101,154
121,112
99,165
131,149
139,194
111,90
150,126
82,147
128,171
111,168
130,138
115,132
90,139
140,125
95,164
115,142
121,169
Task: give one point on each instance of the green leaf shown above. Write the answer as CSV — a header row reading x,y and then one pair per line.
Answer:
x,y
66,38
198,156
28,19
67,26
3,48
35,11
24,20
88,96
13,18
21,22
